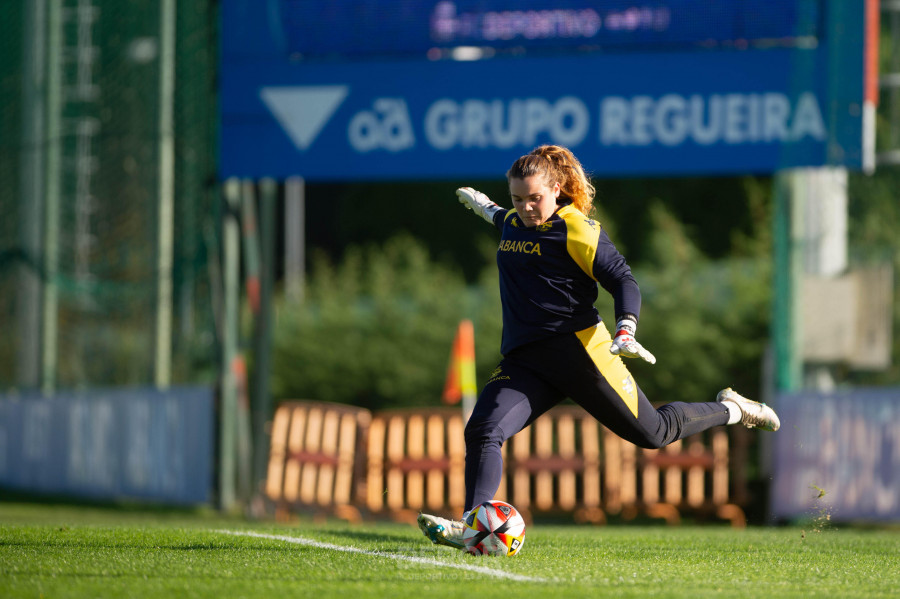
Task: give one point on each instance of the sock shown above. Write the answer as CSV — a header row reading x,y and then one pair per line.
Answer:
x,y
734,412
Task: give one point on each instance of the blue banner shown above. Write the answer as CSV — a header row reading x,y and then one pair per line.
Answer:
x,y
624,114
113,444
358,29
837,456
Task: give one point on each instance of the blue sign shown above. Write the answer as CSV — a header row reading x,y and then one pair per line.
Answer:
x,y
110,444
360,28
837,456
624,114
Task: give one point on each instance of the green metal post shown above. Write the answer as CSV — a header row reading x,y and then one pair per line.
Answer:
x,y
261,398
228,408
250,247
50,328
788,364
166,179
33,177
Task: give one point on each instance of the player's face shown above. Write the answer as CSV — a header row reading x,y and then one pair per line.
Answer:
x,y
534,199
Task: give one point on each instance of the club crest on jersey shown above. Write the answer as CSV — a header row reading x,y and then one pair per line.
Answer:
x,y
514,221
544,226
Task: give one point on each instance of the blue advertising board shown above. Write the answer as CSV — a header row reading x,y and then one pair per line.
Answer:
x,y
137,444
360,28
841,458
644,112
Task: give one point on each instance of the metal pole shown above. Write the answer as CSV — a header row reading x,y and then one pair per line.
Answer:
x,y
784,323
28,300
228,407
262,401
51,215
294,237
166,228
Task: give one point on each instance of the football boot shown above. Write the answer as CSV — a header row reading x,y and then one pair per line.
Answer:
x,y
442,531
753,413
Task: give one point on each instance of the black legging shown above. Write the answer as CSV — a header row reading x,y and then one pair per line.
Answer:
x,y
537,376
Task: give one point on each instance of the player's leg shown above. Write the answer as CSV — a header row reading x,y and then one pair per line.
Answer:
x,y
624,408
601,383
641,423
510,401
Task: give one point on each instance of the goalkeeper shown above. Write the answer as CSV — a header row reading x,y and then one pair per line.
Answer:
x,y
551,257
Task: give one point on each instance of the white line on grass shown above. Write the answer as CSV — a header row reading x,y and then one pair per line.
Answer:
x,y
403,558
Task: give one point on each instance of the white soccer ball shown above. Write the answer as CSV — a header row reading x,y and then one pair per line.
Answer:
x,y
494,528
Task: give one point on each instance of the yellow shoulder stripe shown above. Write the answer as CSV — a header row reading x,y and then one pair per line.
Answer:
x,y
509,213
582,235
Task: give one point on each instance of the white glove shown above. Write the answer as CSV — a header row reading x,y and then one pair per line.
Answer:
x,y
478,202
624,343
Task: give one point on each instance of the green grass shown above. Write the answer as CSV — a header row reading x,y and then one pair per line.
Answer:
x,y
48,551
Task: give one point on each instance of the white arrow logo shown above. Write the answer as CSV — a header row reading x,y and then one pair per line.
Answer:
x,y
303,111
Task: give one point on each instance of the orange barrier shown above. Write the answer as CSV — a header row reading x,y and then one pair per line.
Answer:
x,y
555,464
313,460
566,462
414,460
690,476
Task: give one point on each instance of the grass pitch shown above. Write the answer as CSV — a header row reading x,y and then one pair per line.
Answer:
x,y
82,552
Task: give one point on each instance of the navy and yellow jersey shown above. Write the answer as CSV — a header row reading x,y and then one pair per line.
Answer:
x,y
549,275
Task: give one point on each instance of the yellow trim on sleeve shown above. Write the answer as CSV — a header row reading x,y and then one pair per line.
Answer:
x,y
596,342
582,234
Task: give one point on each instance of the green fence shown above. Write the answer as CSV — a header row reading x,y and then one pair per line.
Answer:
x,y
108,211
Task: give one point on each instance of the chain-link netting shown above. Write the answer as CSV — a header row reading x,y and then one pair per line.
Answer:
x,y
80,108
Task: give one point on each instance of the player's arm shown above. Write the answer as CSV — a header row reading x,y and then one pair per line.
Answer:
x,y
480,204
614,275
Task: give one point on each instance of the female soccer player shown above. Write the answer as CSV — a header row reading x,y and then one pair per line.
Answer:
x,y
551,257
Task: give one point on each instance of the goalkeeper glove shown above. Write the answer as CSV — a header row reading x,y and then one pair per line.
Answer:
x,y
624,343
478,202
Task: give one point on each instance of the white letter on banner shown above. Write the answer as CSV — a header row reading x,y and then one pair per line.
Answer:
x,y
706,133
641,120
807,119
753,120
474,124
396,129
614,117
363,131
670,122
580,121
776,109
537,119
505,138
390,128
441,126
735,120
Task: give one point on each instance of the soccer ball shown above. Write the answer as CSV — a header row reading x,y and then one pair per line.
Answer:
x,y
494,528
